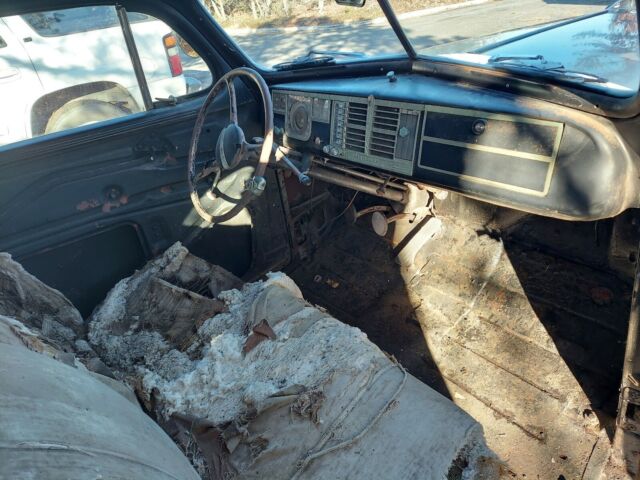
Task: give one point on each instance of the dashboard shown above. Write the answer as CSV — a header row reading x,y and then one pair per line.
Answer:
x,y
505,149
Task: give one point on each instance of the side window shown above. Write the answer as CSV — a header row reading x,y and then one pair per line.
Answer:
x,y
77,67
73,67
171,66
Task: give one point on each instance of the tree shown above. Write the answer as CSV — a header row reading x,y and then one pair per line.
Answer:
x,y
260,8
217,7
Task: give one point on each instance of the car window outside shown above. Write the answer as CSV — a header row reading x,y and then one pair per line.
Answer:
x,y
595,42
273,32
591,43
181,60
69,68
77,20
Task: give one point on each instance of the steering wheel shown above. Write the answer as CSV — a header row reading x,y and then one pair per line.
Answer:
x,y
231,147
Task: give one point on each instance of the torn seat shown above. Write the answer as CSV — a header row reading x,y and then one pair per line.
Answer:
x,y
266,385
60,420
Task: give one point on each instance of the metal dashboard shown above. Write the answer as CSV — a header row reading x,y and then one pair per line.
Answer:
x,y
505,149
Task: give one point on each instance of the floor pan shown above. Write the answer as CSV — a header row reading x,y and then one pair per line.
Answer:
x,y
528,343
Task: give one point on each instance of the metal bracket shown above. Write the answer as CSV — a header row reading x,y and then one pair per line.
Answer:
x,y
256,185
629,409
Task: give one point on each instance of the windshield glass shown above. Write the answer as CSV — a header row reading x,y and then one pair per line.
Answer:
x,y
592,42
277,31
566,38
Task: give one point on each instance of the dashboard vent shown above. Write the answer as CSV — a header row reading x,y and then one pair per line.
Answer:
x,y
384,131
356,127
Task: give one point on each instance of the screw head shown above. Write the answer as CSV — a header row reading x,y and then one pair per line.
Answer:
x,y
479,126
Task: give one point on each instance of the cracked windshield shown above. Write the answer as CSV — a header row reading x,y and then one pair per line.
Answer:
x,y
601,49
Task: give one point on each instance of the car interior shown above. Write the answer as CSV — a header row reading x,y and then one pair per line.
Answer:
x,y
477,224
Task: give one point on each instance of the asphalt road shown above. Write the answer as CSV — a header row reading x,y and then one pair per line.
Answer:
x,y
445,32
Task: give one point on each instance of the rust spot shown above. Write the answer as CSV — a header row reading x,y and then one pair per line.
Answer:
x,y
332,283
166,189
123,200
601,295
499,300
88,204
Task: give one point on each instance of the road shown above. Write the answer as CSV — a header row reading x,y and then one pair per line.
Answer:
x,y
444,32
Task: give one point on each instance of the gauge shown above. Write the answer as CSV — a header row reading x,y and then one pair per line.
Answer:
x,y
321,110
299,117
298,121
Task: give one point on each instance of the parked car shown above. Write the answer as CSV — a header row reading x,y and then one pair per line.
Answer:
x,y
197,75
65,68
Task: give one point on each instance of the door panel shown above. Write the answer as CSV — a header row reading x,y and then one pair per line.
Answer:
x,y
87,207
89,258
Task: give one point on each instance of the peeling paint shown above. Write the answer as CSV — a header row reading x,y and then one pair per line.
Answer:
x,y
88,204
123,200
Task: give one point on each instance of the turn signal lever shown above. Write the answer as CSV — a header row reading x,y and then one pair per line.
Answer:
x,y
303,178
282,159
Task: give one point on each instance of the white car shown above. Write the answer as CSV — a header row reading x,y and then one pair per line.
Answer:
x,y
51,77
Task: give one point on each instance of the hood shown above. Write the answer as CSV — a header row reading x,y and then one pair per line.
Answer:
x,y
604,44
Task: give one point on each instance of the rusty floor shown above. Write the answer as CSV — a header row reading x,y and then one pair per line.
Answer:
x,y
528,343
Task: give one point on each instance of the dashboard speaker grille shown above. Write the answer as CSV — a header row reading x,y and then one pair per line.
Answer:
x,y
384,131
356,127
378,133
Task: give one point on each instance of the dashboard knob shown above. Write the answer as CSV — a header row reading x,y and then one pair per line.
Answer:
x,y
304,179
479,126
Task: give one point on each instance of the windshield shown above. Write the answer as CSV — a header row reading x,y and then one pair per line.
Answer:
x,y
593,42
277,31
594,37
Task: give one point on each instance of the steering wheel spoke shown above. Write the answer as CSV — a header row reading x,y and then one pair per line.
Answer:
x,y
233,105
252,147
207,172
232,138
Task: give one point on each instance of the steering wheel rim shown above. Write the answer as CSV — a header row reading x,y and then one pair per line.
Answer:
x,y
258,180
